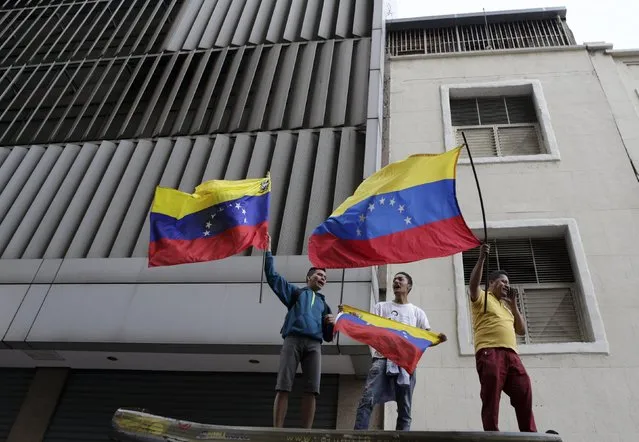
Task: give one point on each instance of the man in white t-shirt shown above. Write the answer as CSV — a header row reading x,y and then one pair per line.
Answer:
x,y
384,384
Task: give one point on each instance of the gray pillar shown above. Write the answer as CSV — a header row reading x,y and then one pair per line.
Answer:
x,y
38,405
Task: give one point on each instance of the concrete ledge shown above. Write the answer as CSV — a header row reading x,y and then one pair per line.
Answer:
x,y
137,426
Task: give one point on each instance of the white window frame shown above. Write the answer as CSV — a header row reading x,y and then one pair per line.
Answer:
x,y
498,89
592,321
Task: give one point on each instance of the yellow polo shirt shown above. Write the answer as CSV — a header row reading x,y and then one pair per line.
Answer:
x,y
496,327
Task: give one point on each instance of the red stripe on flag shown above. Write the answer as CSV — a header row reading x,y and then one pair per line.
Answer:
x,y
391,345
434,240
165,252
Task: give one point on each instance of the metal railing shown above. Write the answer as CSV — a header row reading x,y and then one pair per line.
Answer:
x,y
479,37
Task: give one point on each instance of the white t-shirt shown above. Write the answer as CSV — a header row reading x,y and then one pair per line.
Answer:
x,y
408,314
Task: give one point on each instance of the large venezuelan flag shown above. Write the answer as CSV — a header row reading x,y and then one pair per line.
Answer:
x,y
219,220
405,212
400,343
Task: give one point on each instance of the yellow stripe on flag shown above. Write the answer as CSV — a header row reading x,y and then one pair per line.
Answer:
x,y
177,204
378,321
413,171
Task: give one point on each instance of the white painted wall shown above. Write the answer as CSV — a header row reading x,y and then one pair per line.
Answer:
x,y
587,397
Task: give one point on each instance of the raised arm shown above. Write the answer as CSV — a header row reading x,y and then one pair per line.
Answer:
x,y
278,284
476,274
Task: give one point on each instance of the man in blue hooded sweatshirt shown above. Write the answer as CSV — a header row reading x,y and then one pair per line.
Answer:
x,y
307,323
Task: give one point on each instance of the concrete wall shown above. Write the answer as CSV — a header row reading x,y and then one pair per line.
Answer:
x,y
586,397
350,391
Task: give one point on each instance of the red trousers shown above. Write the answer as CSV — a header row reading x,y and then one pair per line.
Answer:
x,y
500,369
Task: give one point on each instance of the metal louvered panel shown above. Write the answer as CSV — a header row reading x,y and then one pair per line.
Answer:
x,y
292,31
102,241
236,22
488,111
166,94
83,196
551,315
481,141
44,32
230,24
39,206
26,194
91,397
527,260
93,201
14,384
243,30
519,140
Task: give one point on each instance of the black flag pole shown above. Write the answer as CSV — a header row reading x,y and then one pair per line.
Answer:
x,y
341,300
483,215
262,274
268,177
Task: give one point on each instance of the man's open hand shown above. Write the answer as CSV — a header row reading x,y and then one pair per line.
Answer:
x,y
329,319
268,242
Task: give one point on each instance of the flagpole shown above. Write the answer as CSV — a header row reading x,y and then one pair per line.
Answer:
x,y
262,274
483,215
268,177
341,300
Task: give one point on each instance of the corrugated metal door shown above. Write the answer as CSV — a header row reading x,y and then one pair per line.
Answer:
x,y
14,384
91,397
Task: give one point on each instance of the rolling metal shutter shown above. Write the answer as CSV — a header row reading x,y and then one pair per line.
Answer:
x,y
14,384
91,397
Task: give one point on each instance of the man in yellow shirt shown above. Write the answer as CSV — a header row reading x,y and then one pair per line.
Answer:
x,y
498,365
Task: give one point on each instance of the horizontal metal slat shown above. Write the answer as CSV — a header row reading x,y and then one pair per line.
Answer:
x,y
481,142
519,140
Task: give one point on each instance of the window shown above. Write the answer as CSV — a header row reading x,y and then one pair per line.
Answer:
x,y
497,126
503,121
540,269
546,263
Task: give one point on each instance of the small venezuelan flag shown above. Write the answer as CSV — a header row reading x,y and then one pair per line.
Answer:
x,y
219,220
405,212
400,343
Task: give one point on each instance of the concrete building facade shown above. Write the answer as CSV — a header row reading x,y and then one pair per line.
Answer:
x,y
554,128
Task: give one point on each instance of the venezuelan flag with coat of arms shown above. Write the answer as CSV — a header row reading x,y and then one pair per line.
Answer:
x,y
405,212
400,343
222,218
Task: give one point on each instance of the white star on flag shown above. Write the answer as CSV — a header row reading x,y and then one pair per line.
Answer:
x,y
401,208
238,205
213,215
371,207
362,217
243,211
245,221
382,200
208,225
359,232
207,233
392,201
407,220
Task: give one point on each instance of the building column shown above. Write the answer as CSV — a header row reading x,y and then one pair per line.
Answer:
x,y
38,405
349,393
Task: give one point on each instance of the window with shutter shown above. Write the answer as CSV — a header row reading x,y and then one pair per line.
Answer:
x,y
497,126
541,270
